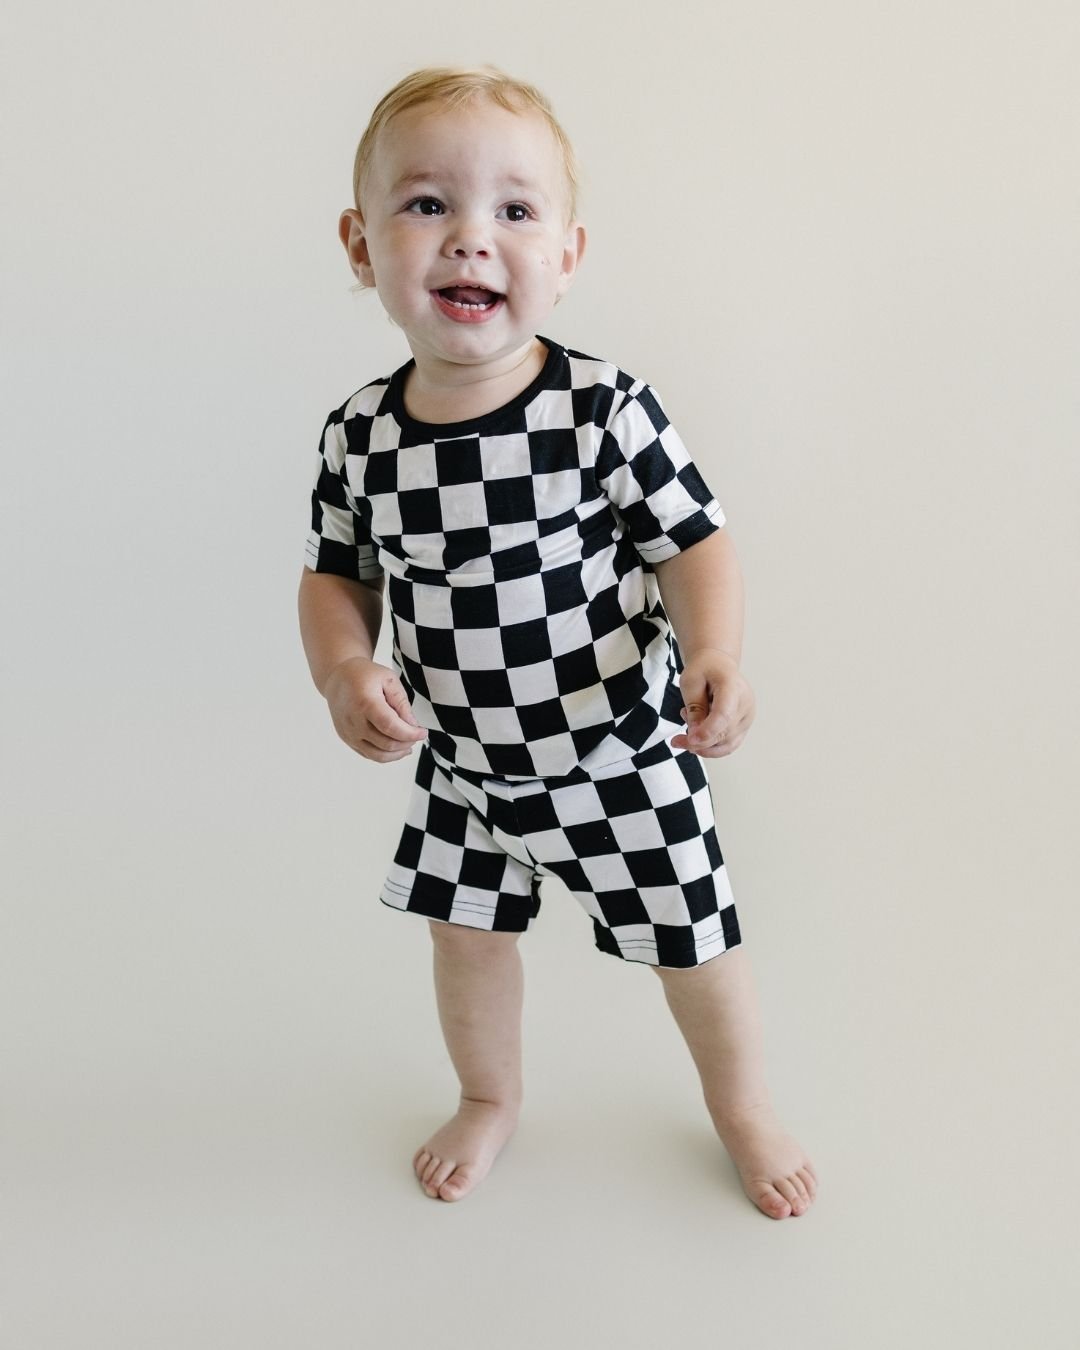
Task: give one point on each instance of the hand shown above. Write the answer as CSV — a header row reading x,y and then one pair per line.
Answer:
x,y
370,710
719,705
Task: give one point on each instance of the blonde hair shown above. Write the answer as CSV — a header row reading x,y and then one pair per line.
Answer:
x,y
453,86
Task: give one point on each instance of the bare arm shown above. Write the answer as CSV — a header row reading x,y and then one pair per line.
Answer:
x,y
339,626
339,619
702,591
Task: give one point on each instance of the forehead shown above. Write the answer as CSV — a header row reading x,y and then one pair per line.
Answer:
x,y
475,143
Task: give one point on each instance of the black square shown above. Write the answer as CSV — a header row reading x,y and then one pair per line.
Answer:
x,y
456,721
577,670
482,870
420,511
592,839
571,874
563,588
399,595
458,461
509,500
446,820
604,612
539,720
652,467
432,896
623,796
554,449
512,760
435,647
408,849
712,848
678,821
651,867
622,907
381,473
700,898
592,404
526,643
474,606
488,688
464,546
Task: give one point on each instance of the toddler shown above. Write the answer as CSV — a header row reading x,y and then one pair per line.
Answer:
x,y
563,597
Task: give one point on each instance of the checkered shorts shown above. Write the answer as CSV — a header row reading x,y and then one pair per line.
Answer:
x,y
634,841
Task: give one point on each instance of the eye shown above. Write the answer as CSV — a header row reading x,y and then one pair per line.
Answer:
x,y
518,211
424,206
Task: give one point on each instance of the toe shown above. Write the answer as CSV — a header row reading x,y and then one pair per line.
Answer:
x,y
420,1161
808,1184
790,1193
440,1174
455,1186
772,1203
431,1166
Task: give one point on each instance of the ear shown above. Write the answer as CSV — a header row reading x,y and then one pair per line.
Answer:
x,y
573,252
352,234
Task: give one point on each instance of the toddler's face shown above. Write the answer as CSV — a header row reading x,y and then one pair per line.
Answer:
x,y
464,231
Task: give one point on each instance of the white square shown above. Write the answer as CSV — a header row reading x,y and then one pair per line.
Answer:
x,y
639,830
607,872
416,468
533,684
446,686
513,535
431,606
479,648
577,804
505,457
551,410
550,846
463,506
440,858
521,599
385,515
557,492
406,635
690,860
499,726
425,550
665,904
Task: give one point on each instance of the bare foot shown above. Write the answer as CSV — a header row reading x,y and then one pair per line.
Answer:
x,y
459,1155
775,1172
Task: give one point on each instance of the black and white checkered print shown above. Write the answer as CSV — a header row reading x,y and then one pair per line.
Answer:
x,y
518,546
635,843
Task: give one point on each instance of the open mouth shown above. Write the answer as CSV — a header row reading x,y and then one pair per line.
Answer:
x,y
469,297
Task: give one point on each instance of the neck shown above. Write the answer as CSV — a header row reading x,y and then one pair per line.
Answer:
x,y
440,391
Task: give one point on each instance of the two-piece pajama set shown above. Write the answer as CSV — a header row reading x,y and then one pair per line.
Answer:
x,y
528,631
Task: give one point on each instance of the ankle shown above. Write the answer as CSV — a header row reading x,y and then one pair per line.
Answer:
x,y
506,1103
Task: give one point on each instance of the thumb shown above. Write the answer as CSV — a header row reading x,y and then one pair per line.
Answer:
x,y
398,699
695,697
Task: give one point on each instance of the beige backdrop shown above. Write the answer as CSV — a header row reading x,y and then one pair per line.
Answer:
x,y
841,239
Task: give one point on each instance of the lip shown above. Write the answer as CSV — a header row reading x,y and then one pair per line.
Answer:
x,y
472,316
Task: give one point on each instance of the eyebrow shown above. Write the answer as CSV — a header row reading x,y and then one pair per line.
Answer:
x,y
430,176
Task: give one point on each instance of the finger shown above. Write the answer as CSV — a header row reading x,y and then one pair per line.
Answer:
x,y
720,722
372,751
386,721
399,701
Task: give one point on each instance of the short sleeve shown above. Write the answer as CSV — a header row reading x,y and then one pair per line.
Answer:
x,y
340,539
646,471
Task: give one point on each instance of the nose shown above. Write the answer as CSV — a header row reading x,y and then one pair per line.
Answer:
x,y
467,237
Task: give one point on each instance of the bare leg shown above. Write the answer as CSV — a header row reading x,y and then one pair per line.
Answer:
x,y
716,1009
479,988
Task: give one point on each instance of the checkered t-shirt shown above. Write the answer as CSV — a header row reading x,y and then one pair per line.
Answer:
x,y
518,548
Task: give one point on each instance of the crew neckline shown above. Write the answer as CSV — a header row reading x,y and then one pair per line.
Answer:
x,y
442,429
